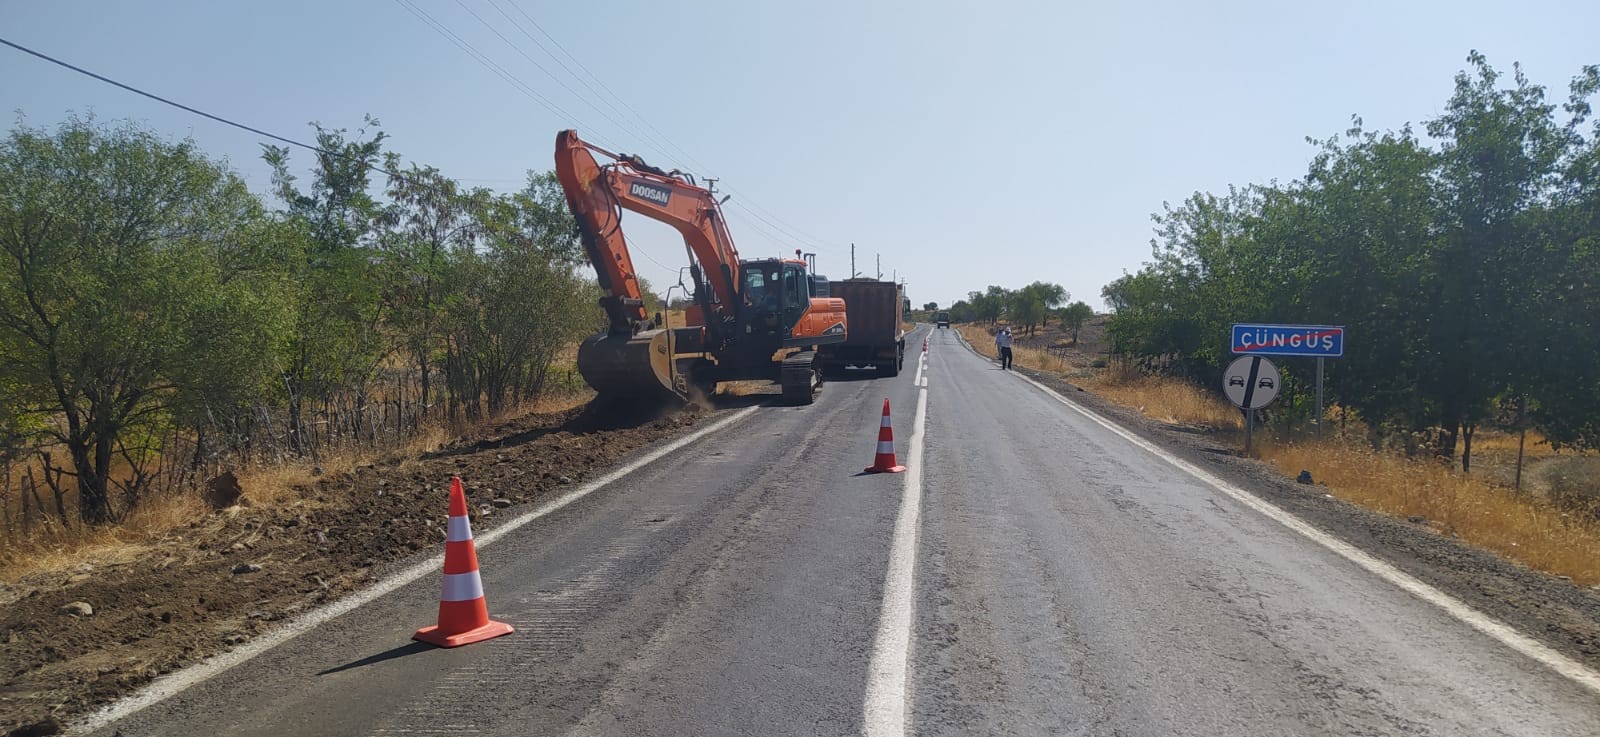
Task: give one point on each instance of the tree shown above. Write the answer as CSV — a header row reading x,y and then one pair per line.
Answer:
x,y
1498,150
931,306
1031,305
429,225
336,340
1074,316
140,277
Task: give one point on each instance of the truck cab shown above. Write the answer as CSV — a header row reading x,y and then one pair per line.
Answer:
x,y
942,319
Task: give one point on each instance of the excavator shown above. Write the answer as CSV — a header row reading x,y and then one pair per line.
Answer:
x,y
756,319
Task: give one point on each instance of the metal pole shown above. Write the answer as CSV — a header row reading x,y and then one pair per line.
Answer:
x,y
1319,397
1249,424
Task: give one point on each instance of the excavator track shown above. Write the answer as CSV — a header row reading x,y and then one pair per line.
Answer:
x,y
800,378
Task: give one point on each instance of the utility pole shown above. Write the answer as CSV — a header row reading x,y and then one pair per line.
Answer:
x,y
853,273
878,259
711,185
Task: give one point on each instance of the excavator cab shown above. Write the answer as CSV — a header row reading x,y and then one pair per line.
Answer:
x,y
776,295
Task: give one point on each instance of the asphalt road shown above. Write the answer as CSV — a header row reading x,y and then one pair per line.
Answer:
x,y
1065,581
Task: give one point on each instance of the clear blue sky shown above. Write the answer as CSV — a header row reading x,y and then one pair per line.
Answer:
x,y
968,143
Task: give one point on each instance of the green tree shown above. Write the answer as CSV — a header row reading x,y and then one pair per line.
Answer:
x,y
1498,151
1074,316
931,306
337,339
139,278
431,225
1032,304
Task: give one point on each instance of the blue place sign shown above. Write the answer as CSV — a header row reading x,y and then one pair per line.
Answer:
x,y
1289,340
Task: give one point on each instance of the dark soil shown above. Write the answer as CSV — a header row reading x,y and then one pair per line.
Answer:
x,y
227,578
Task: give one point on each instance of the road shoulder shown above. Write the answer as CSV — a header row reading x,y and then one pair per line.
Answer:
x,y
1557,613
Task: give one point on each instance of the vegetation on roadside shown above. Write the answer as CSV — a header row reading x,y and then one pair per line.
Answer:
x,y
1548,526
159,321
1029,308
1464,266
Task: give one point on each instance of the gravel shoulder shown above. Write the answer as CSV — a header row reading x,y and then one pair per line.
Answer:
x,y
1546,608
1554,611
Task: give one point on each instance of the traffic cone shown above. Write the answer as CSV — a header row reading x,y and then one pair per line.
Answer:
x,y
885,461
924,345
463,612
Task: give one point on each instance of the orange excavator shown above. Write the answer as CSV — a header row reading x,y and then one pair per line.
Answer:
x,y
757,319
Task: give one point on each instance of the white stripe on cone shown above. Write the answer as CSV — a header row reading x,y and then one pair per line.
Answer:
x,y
885,447
462,587
885,422
460,530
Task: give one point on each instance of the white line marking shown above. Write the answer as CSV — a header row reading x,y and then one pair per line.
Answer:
x,y
922,365
884,714
1506,635
174,683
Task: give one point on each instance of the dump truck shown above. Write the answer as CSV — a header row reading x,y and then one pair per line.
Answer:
x,y
875,311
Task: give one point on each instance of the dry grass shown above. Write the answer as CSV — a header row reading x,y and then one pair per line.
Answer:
x,y
1159,398
1167,400
1522,527
54,547
1532,527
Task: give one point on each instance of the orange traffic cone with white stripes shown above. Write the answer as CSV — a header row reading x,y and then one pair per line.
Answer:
x,y
885,461
463,612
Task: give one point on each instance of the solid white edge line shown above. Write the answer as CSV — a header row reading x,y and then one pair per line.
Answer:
x,y
887,701
176,682
1505,634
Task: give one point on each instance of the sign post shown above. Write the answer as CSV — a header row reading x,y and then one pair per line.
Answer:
x,y
1252,383
1318,341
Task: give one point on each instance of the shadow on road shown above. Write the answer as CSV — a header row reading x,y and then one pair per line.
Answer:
x,y
410,648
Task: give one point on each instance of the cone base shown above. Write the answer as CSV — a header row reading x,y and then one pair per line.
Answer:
x,y
433,636
891,469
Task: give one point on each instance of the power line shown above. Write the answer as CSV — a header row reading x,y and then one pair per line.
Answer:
x,y
792,232
403,176
654,141
484,60
165,101
623,127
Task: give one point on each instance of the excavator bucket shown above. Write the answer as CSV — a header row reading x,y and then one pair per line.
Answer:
x,y
637,367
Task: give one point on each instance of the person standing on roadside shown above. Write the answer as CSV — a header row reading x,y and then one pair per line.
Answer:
x,y
1002,341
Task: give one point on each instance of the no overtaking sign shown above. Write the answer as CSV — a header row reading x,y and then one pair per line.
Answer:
x,y
1251,382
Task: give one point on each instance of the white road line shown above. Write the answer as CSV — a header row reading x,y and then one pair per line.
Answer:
x,y
888,687
174,683
1506,635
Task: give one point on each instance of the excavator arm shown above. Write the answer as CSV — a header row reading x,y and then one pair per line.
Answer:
x,y
598,193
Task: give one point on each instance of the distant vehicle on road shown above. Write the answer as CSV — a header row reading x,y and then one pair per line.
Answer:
x,y
942,319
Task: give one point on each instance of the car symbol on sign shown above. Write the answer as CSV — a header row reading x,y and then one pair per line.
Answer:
x,y
1264,384
1235,381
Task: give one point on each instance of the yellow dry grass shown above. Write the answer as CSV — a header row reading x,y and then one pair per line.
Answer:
x,y
1159,398
1523,527
1166,400
54,547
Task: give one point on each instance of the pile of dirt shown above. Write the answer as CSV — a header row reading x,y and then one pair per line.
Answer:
x,y
70,641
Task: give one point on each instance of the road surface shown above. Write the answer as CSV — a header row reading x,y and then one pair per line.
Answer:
x,y
1050,577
